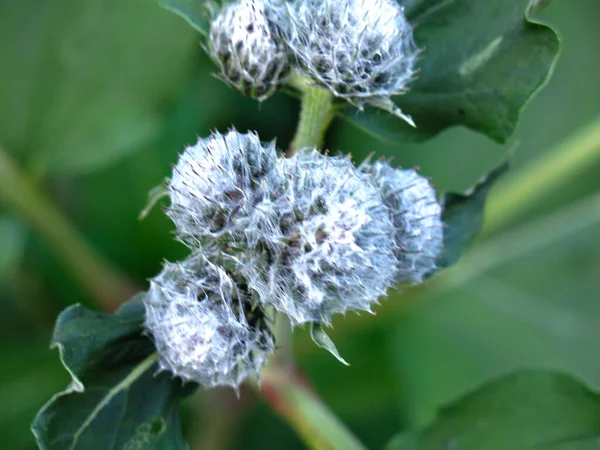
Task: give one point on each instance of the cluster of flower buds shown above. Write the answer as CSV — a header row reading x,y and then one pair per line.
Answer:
x,y
361,50
308,236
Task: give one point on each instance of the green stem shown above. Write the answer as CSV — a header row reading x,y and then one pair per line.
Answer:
x,y
306,413
281,385
315,116
99,279
286,391
519,191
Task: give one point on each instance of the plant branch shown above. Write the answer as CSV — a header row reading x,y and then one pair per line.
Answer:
x,y
98,278
315,116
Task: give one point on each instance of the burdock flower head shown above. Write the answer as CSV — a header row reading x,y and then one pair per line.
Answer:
x,y
215,182
361,50
327,244
242,44
203,325
416,215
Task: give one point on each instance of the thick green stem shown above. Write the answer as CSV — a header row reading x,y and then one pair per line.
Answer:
x,y
315,116
283,387
99,279
320,429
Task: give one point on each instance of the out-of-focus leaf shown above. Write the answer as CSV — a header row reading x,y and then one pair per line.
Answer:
x,y
12,239
463,216
482,62
527,410
115,400
83,83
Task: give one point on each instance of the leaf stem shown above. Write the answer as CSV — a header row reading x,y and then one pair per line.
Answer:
x,y
99,279
315,117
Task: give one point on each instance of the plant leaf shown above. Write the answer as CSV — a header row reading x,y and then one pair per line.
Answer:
x,y
115,400
482,63
463,216
322,340
527,410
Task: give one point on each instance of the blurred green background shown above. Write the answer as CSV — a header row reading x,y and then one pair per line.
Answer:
x,y
96,100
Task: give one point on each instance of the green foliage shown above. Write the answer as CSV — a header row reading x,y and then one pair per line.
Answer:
x,y
77,95
463,216
527,410
482,62
115,399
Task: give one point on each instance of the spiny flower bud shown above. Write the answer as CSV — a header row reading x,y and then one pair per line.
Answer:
x,y
218,179
416,216
327,240
242,44
199,320
361,50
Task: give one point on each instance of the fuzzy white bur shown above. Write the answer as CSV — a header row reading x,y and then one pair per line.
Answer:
x,y
324,242
216,181
203,327
243,45
361,50
416,215
309,236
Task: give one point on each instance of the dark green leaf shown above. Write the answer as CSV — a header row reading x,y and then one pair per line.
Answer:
x,y
482,63
83,83
115,400
463,216
529,410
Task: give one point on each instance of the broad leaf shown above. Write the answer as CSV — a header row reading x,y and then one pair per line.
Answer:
x,y
463,216
528,410
84,83
115,400
482,62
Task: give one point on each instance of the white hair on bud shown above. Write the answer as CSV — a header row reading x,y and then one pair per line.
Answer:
x,y
416,216
203,326
324,242
215,181
243,45
361,50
